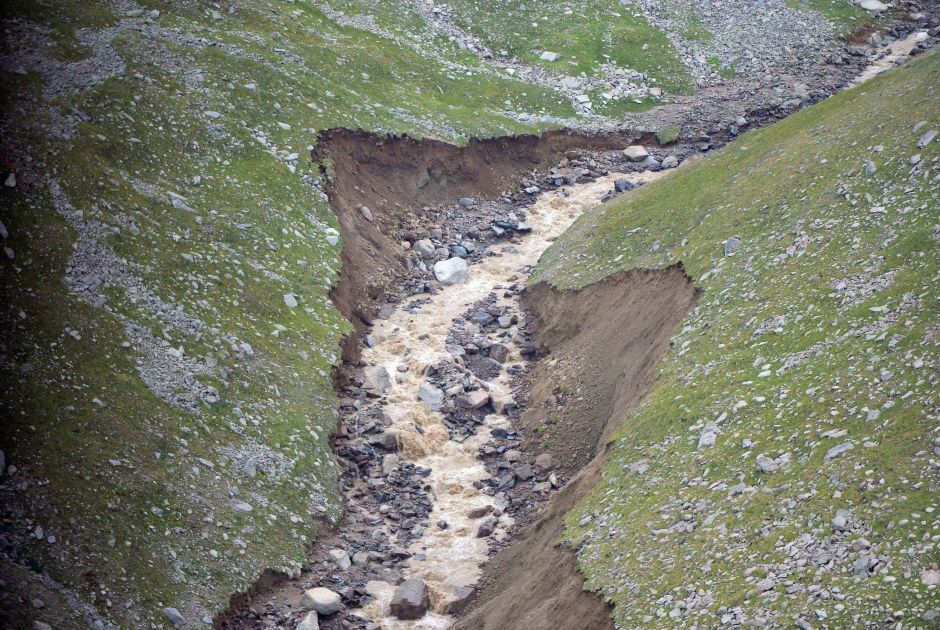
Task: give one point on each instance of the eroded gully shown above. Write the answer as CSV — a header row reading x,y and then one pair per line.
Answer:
x,y
414,338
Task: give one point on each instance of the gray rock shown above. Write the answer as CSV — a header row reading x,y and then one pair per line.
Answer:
x,y
310,622
366,213
433,396
451,271
482,318
487,527
174,616
766,464
290,300
873,6
544,462
636,153
410,600
862,564
927,138
387,440
549,56
499,352
623,185
670,161
341,558
425,248
835,451
462,597
840,521
467,202
731,245
376,378
322,600
473,399
524,472
709,435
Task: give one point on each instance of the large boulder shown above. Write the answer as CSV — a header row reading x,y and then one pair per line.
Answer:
x,y
473,399
376,378
451,271
322,600
410,600
636,153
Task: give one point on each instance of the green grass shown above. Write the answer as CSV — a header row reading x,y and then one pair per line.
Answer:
x,y
845,16
779,188
589,36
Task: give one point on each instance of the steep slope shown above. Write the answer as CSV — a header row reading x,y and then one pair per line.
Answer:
x,y
784,466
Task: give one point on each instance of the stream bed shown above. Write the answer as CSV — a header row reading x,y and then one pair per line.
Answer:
x,y
413,338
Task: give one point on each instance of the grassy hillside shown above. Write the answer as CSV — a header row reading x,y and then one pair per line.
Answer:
x,y
785,466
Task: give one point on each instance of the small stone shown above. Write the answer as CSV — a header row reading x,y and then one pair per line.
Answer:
x,y
290,300
549,56
835,451
623,185
10,181
926,139
310,622
670,161
872,5
425,248
544,462
174,616
341,558
930,577
366,213
731,245
433,396
487,527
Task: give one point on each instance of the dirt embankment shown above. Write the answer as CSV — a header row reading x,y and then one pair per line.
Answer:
x,y
604,343
400,177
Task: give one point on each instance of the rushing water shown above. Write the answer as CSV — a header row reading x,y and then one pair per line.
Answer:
x,y
898,50
415,339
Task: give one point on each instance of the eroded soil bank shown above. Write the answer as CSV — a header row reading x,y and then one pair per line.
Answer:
x,y
602,346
